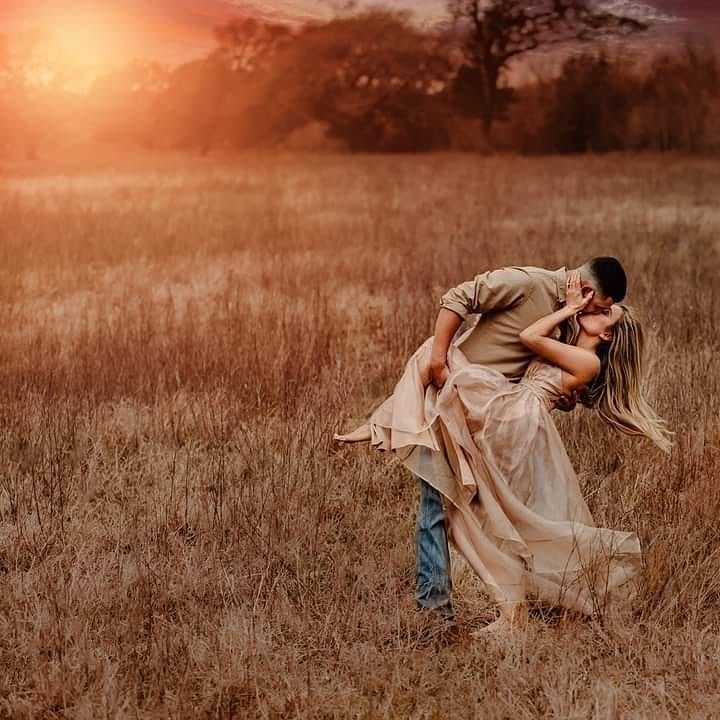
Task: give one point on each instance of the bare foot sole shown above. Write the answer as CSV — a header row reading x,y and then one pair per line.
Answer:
x,y
518,620
361,434
501,625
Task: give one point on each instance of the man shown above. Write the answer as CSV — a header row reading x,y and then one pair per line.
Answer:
x,y
509,300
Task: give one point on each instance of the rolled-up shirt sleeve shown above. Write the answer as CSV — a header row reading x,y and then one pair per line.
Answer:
x,y
489,291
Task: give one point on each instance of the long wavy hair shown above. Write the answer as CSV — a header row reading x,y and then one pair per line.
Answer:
x,y
616,393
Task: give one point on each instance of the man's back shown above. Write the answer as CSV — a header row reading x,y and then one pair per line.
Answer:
x,y
509,300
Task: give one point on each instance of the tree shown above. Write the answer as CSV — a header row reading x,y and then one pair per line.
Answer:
x,y
24,91
678,98
210,100
377,82
124,103
496,32
237,72
582,120
247,45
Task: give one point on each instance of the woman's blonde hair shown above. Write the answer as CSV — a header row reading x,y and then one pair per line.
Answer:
x,y
616,393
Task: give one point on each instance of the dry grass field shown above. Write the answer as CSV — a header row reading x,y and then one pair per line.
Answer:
x,y
178,536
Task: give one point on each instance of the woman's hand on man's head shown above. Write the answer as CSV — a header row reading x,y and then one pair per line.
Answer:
x,y
574,298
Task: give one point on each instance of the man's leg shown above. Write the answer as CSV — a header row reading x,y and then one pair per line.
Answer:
x,y
434,585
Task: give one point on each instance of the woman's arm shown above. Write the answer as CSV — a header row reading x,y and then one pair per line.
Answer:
x,y
579,364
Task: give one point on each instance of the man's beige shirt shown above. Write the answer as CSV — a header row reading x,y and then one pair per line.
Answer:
x,y
509,300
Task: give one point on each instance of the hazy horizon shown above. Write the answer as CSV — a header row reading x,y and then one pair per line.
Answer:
x,y
96,38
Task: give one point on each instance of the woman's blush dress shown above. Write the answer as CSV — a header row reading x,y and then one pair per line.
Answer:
x,y
516,512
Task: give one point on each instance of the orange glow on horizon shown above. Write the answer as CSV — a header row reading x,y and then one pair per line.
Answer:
x,y
77,44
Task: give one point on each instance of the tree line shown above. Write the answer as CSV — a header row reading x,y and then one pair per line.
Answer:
x,y
551,76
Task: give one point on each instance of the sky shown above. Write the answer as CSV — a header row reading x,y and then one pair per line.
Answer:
x,y
96,34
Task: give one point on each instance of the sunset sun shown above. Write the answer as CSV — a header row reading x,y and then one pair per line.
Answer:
x,y
83,42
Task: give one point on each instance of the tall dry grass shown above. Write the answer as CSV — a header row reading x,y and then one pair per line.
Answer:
x,y
178,536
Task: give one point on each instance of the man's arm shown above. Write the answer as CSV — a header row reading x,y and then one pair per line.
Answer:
x,y
489,291
446,326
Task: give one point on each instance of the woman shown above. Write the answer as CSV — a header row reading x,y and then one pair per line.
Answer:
x,y
490,446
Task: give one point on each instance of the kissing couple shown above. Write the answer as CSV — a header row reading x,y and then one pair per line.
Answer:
x,y
471,418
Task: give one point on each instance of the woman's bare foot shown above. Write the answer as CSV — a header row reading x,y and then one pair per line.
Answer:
x,y
501,625
360,434
509,621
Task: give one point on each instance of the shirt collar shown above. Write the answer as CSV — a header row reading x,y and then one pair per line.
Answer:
x,y
561,283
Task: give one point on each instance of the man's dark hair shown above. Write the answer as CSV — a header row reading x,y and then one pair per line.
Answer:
x,y
609,276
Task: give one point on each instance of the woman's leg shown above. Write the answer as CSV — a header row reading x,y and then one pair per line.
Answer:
x,y
512,614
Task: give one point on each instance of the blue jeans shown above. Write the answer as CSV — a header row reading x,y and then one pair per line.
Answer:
x,y
434,584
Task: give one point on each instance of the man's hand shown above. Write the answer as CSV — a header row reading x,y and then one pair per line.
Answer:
x,y
567,403
439,374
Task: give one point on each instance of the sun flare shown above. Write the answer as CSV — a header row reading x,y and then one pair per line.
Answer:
x,y
85,41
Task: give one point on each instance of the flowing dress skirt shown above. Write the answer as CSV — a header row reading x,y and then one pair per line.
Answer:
x,y
515,508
